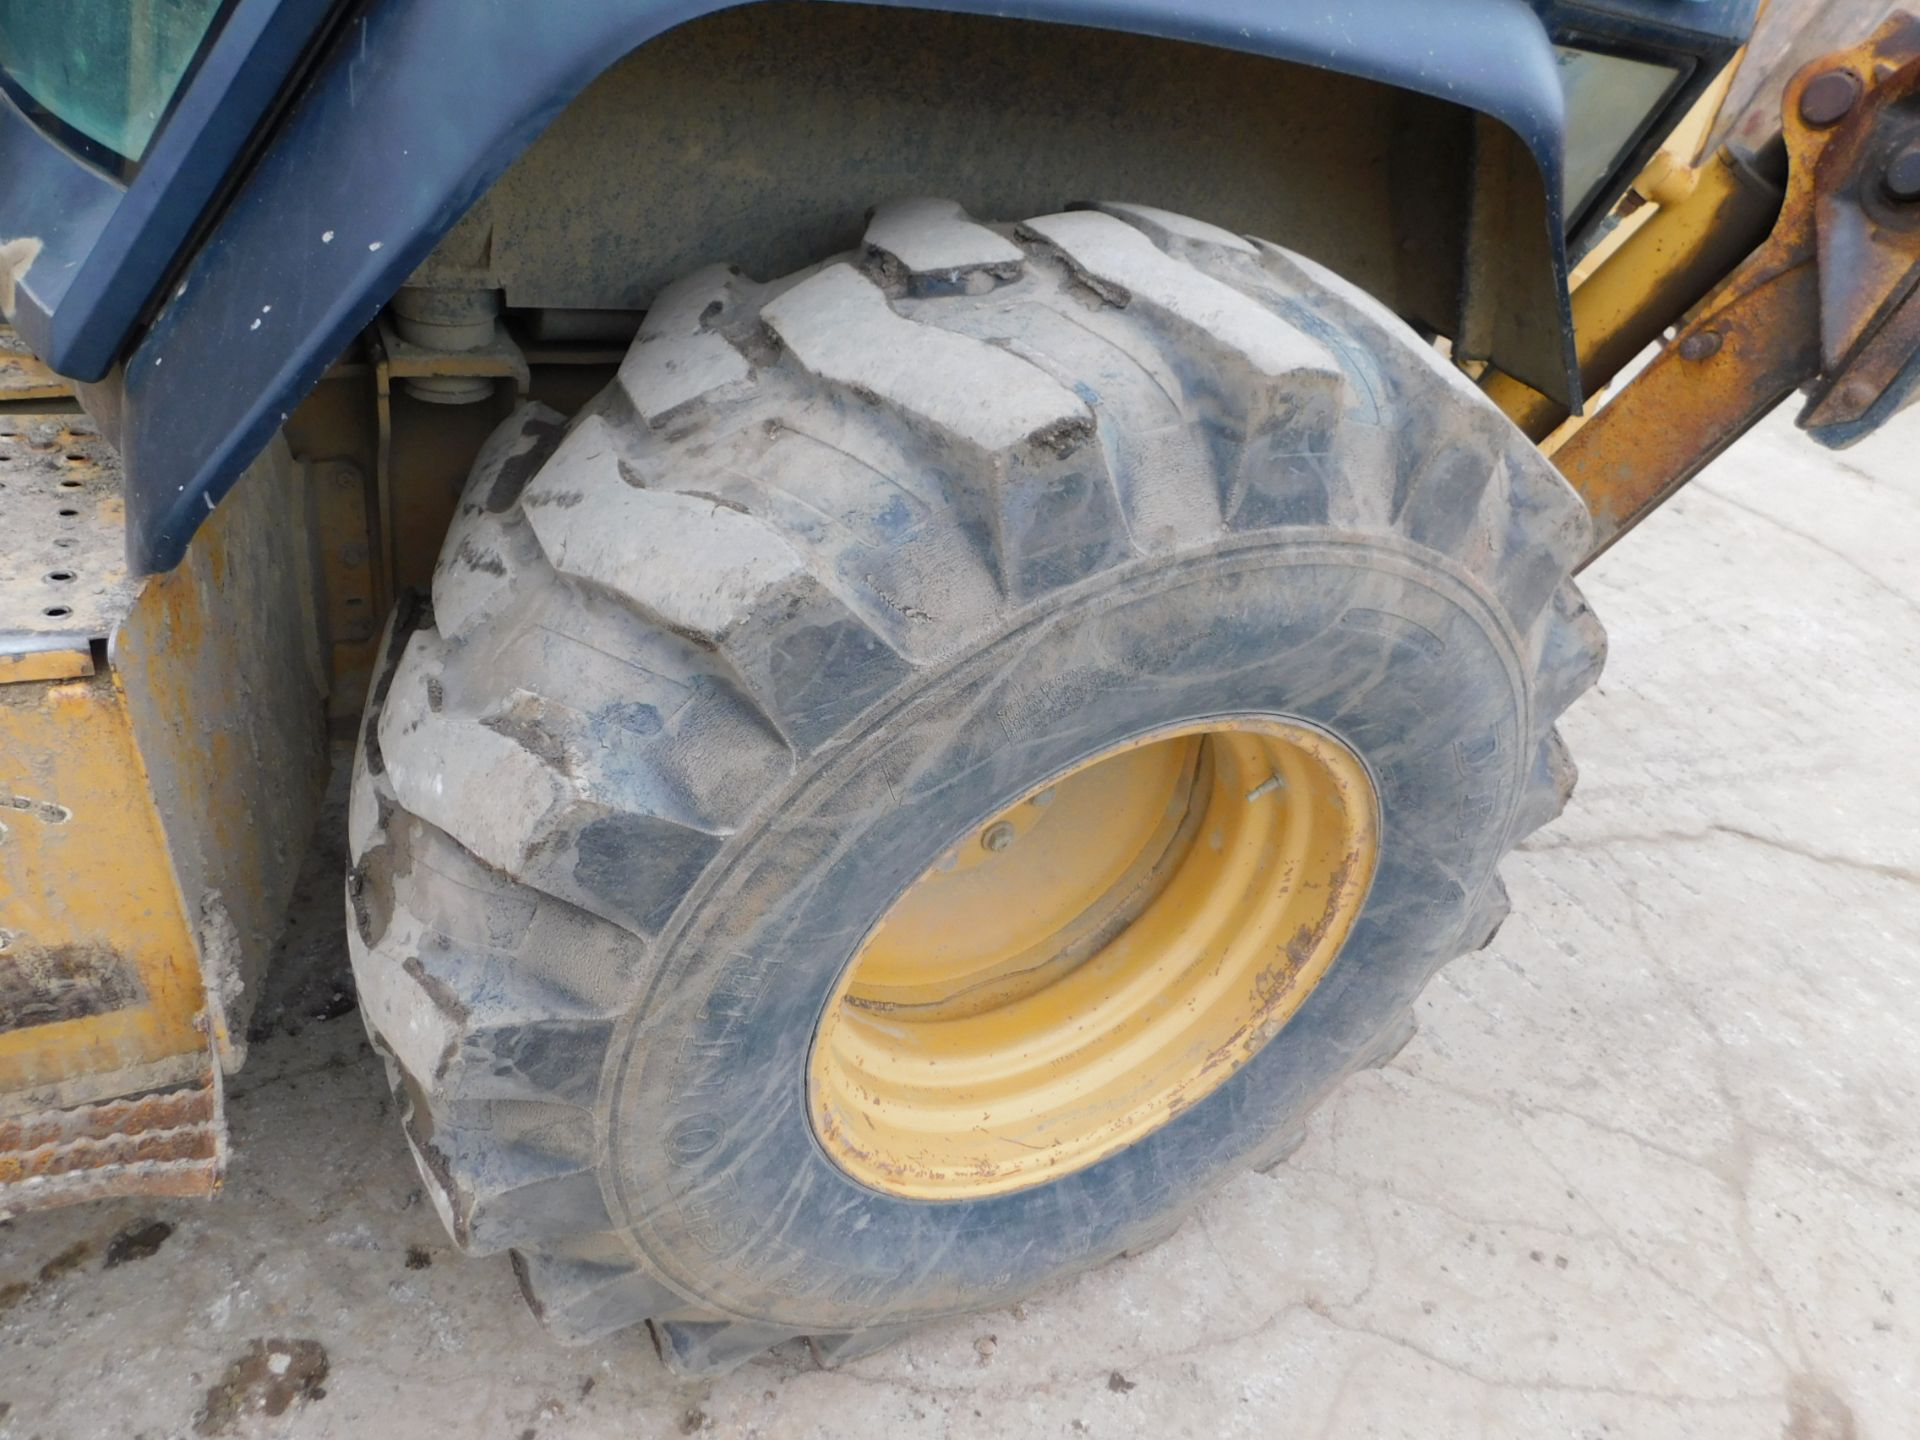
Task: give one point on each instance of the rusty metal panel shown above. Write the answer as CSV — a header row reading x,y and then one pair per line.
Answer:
x,y
1696,398
1787,35
168,1142
44,661
99,983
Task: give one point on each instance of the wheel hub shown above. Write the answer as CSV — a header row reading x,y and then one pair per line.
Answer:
x,y
1094,959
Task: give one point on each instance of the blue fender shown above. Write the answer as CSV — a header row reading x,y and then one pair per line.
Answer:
x,y
417,105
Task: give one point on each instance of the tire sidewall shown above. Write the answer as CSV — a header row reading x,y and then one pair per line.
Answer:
x,y
717,1177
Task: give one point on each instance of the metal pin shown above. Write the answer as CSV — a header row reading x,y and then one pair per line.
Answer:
x,y
1265,787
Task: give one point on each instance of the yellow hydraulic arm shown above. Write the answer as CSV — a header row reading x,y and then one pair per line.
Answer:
x,y
1827,301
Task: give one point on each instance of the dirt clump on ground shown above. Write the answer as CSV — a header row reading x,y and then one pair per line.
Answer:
x,y
269,1379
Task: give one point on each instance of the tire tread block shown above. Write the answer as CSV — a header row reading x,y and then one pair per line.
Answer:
x,y
722,580
583,1297
839,326
681,359
1271,394
937,246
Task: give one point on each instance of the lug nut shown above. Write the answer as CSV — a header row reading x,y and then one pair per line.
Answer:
x,y
1828,97
997,837
1902,180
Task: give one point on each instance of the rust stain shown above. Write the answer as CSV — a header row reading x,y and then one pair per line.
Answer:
x,y
65,982
1828,300
166,1110
167,1143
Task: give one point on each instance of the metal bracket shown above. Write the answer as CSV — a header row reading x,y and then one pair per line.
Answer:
x,y
398,359
1828,301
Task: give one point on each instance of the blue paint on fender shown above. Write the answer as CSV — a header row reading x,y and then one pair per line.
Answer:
x,y
417,105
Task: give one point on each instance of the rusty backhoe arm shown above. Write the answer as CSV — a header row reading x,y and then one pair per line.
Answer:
x,y
1827,302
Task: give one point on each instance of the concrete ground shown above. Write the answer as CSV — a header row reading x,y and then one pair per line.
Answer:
x,y
1650,1169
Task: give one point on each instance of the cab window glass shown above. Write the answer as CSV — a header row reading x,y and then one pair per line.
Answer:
x,y
1609,98
106,70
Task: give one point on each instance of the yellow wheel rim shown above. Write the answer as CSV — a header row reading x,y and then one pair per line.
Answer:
x,y
1093,960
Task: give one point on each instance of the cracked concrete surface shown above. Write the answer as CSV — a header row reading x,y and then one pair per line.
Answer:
x,y
1651,1168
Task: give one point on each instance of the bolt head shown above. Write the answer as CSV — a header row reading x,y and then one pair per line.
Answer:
x,y
997,837
1902,178
1828,97
1700,346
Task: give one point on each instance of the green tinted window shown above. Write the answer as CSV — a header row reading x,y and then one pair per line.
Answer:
x,y
1608,99
105,68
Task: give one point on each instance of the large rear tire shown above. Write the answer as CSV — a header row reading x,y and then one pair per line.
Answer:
x,y
841,578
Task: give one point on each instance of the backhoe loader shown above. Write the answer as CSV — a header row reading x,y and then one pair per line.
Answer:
x,y
939,612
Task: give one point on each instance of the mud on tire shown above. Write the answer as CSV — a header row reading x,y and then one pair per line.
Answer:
x,y
840,566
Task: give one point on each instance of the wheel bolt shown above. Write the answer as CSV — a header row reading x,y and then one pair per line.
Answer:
x,y
1828,97
998,836
1902,180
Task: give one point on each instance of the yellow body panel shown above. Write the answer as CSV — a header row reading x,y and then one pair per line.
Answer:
x,y
95,938
220,662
